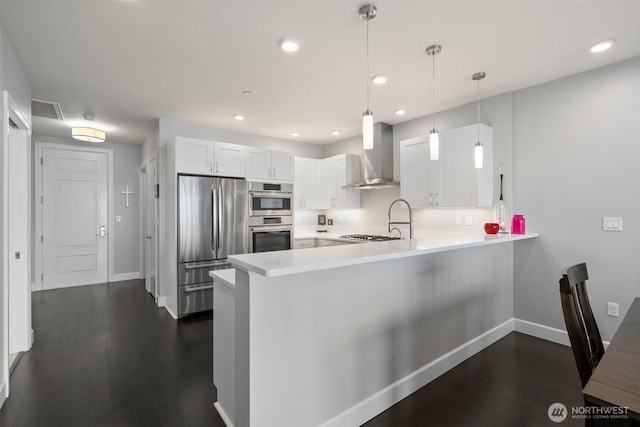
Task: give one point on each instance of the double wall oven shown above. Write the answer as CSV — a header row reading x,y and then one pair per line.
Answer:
x,y
270,217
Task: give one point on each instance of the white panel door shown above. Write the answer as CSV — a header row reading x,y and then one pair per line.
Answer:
x,y
74,224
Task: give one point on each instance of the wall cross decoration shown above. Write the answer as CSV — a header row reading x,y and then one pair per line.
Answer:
x,y
126,193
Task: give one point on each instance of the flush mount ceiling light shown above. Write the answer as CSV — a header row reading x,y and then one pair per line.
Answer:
x,y
289,45
478,151
367,12
602,46
434,140
88,134
238,117
379,79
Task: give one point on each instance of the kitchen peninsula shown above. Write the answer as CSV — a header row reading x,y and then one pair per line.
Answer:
x,y
335,335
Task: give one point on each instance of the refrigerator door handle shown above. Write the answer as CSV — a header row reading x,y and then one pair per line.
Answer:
x,y
221,219
214,219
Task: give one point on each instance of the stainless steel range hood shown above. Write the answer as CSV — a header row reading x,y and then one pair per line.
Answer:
x,y
378,162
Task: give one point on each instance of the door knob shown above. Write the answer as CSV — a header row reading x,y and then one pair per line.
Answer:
x,y
103,231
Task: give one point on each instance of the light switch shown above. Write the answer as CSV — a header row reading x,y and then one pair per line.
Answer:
x,y
469,220
118,218
458,219
612,223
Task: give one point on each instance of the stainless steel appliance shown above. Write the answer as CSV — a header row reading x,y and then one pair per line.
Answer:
x,y
270,233
212,224
270,221
267,199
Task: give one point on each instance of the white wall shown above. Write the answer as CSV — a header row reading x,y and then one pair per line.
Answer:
x,y
576,159
126,160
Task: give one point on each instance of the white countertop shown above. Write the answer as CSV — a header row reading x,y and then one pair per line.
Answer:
x,y
281,263
225,277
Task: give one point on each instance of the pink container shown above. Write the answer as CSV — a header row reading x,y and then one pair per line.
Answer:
x,y
517,224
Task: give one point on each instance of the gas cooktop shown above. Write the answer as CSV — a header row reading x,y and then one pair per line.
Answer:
x,y
368,237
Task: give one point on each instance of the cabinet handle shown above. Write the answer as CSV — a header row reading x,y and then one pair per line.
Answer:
x,y
269,173
437,199
274,172
210,166
431,199
216,167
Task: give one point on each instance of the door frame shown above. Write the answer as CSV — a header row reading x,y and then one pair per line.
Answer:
x,y
37,166
10,110
144,175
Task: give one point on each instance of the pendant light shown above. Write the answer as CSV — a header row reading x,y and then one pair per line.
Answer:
x,y
478,151
434,140
367,12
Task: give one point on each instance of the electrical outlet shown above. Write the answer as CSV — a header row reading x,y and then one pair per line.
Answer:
x,y
118,218
612,223
469,220
330,221
613,309
458,219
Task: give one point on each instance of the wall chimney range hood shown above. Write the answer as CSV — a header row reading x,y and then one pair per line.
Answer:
x,y
378,162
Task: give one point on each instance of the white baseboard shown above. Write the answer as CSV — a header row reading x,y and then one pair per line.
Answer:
x,y
392,394
537,330
172,312
121,277
3,393
161,302
223,415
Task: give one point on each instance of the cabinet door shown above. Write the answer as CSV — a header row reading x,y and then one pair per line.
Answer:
x,y
282,166
229,160
304,188
194,156
326,185
414,172
456,157
258,163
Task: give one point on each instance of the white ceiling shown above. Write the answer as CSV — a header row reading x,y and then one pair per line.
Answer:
x,y
131,62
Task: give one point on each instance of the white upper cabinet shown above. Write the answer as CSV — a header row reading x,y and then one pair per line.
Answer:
x,y
194,156
307,183
452,181
269,165
201,157
229,160
335,173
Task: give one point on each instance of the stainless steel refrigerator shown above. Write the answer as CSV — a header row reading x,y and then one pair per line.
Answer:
x,y
212,224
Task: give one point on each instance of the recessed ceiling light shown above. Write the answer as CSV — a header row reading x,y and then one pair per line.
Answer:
x,y
247,92
400,112
289,45
602,46
238,117
335,132
379,79
295,133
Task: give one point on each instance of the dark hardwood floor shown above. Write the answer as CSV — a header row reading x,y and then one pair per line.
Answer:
x,y
105,355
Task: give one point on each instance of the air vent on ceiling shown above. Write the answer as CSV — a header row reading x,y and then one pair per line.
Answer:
x,y
48,109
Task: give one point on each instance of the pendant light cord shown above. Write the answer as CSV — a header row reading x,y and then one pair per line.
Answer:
x,y
478,110
433,87
368,82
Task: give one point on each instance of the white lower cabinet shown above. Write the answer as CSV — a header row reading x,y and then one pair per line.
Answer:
x,y
452,181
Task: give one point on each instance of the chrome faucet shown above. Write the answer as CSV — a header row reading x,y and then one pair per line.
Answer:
x,y
397,223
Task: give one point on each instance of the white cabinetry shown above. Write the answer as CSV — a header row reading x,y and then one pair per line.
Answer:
x,y
452,181
269,165
201,157
306,184
335,173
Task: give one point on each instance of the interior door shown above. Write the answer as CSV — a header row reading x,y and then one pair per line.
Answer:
x,y
74,218
151,224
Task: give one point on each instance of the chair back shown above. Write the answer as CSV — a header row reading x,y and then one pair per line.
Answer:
x,y
584,335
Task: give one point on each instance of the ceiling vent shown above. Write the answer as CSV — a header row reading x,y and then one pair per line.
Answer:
x,y
48,109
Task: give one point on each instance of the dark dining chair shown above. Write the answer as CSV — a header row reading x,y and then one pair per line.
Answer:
x,y
581,325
